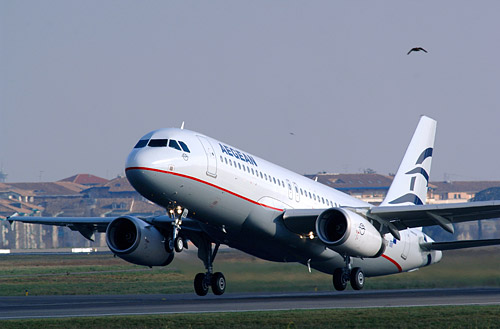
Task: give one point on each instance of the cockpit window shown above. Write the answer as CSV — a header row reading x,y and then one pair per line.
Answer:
x,y
184,147
141,143
173,144
158,142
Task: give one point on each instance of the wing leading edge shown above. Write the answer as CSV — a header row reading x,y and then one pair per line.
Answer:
x,y
87,226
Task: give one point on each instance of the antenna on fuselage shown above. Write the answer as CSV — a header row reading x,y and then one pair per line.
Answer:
x,y
182,125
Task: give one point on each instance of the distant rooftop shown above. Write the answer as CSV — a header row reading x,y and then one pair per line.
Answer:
x,y
49,188
463,186
85,179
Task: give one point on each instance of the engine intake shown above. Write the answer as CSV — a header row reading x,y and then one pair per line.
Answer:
x,y
348,233
137,242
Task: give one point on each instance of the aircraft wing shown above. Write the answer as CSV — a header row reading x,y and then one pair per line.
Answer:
x,y
88,225
85,225
302,221
445,215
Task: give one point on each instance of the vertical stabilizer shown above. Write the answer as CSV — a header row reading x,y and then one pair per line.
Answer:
x,y
412,179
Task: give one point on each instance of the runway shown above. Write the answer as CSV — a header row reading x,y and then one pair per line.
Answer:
x,y
82,306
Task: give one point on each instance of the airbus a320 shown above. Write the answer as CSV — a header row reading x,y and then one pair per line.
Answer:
x,y
215,194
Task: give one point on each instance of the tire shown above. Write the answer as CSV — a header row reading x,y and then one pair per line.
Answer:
x,y
200,286
339,280
178,244
357,278
169,245
218,283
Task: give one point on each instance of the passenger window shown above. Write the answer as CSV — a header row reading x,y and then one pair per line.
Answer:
x,y
230,162
261,174
221,159
253,173
296,190
301,192
265,176
239,165
274,179
322,199
314,197
158,142
141,143
184,147
225,159
173,144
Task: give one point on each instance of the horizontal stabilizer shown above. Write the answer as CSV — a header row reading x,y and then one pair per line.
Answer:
x,y
459,244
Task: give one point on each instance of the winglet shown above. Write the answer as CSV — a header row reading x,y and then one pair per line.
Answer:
x,y
409,186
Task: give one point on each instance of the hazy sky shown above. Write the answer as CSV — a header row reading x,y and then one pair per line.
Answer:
x,y
82,81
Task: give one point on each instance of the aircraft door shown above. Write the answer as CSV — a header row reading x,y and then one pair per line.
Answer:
x,y
290,191
297,194
211,158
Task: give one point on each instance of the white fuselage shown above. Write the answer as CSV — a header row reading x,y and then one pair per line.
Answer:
x,y
239,198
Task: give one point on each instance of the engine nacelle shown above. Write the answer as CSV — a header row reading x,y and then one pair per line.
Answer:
x,y
348,233
137,242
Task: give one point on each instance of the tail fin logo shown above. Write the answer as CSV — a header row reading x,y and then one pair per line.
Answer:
x,y
418,170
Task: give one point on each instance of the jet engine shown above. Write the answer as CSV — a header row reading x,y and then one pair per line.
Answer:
x,y
348,233
137,242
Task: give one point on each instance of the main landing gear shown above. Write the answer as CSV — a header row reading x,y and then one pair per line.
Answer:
x,y
204,281
343,275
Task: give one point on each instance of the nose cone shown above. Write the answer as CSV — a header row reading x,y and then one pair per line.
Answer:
x,y
138,168
137,159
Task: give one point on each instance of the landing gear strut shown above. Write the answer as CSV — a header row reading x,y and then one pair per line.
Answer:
x,y
203,281
176,242
342,275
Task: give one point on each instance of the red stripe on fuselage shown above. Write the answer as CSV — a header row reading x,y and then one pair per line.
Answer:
x,y
394,262
203,182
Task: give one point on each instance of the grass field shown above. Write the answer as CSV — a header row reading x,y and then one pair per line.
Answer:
x,y
418,317
104,274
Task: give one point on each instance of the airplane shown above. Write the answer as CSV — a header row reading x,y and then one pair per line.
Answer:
x,y
215,194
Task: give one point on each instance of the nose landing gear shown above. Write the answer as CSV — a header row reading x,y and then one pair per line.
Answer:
x,y
176,242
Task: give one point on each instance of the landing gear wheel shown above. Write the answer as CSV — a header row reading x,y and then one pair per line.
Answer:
x,y
200,286
169,245
218,283
357,278
178,244
339,279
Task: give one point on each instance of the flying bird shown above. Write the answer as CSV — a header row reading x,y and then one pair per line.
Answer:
x,y
417,49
